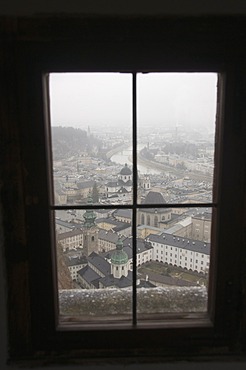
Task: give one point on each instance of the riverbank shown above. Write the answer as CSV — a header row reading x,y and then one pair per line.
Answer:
x,y
178,173
148,166
117,149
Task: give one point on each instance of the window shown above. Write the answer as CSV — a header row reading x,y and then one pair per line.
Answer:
x,y
165,53
94,94
156,221
97,90
142,220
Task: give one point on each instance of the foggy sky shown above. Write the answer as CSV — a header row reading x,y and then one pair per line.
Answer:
x,y
105,99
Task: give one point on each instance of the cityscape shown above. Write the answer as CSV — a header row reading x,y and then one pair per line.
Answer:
x,y
93,165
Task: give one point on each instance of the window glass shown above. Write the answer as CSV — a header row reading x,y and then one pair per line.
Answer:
x,y
129,180
91,119
166,275
176,130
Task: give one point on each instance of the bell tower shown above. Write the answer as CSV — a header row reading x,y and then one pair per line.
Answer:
x,y
146,182
90,231
119,261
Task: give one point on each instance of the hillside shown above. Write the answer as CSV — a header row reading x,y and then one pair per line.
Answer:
x,y
69,141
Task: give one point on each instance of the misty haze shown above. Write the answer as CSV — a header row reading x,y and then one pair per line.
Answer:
x,y
91,116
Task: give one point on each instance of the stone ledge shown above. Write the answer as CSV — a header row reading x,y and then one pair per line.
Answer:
x,y
110,302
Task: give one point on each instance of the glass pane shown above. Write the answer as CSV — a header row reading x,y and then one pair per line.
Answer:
x,y
174,262
94,264
176,134
91,119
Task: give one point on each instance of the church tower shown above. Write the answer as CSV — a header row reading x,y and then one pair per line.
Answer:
x,y
90,231
119,261
144,187
146,183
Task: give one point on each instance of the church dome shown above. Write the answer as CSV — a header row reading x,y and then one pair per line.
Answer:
x,y
125,170
154,197
119,257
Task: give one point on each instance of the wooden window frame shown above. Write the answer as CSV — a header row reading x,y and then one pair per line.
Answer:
x,y
35,46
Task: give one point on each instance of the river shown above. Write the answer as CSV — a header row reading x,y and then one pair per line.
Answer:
x,y
125,156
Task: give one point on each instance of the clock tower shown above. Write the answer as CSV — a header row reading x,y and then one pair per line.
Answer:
x,y
90,231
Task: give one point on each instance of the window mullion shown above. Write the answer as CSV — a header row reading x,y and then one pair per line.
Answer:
x,y
134,210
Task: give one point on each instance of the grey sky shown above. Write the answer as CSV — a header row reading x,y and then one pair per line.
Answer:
x,y
82,99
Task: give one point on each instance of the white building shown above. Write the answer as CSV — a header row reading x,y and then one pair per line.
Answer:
x,y
189,254
74,264
71,240
122,187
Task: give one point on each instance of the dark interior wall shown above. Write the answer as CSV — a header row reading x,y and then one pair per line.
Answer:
x,y
195,7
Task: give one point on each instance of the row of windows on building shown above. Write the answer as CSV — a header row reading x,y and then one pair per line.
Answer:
x,y
180,257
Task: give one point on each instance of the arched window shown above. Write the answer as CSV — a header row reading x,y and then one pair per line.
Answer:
x,y
156,221
142,219
148,220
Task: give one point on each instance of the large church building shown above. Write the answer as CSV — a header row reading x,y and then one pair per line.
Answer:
x,y
122,187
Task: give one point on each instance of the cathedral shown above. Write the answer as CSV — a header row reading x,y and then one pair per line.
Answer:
x,y
154,217
122,187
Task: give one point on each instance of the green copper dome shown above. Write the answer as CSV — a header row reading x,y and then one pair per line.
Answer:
x,y
119,257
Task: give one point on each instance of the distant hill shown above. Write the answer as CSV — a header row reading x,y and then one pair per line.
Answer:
x,y
69,141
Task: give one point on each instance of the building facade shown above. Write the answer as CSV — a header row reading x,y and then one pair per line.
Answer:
x,y
201,226
71,240
186,253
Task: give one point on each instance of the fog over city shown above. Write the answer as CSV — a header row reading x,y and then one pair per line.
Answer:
x,y
170,99
91,115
